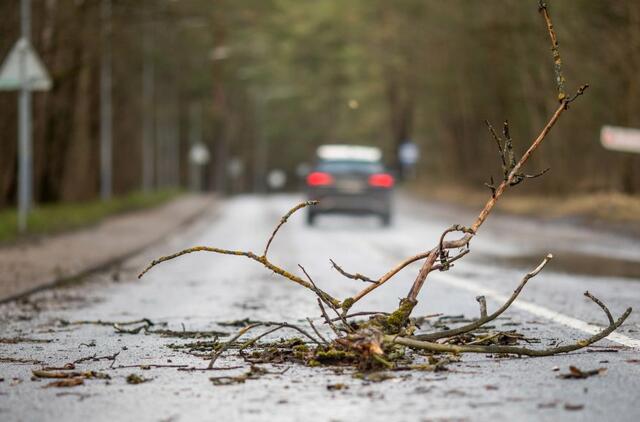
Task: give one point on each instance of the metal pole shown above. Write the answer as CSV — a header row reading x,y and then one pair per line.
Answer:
x,y
195,138
160,149
25,147
175,142
148,76
106,166
261,151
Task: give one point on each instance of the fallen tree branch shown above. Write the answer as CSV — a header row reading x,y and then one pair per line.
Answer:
x,y
356,276
415,343
360,343
262,259
228,344
483,320
278,326
315,330
283,220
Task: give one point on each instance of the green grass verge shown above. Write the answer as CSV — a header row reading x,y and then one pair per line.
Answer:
x,y
47,219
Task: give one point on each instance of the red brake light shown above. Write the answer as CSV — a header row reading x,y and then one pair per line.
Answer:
x,y
318,178
381,180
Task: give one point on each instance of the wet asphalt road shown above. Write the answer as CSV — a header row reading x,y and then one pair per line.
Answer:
x,y
199,290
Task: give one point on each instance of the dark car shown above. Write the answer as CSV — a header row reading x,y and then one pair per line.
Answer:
x,y
350,179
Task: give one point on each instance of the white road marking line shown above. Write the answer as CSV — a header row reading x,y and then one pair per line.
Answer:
x,y
532,308
538,310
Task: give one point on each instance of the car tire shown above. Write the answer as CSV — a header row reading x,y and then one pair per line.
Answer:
x,y
386,219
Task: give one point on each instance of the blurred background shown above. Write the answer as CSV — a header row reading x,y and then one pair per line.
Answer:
x,y
213,95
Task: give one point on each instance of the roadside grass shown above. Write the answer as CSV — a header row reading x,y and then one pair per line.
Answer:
x,y
54,218
612,207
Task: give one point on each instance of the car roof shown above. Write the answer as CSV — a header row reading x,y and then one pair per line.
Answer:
x,y
349,153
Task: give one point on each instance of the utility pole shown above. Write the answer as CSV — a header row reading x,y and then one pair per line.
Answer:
x,y
148,85
25,141
106,120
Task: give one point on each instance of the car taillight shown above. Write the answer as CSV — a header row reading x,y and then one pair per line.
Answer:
x,y
318,178
381,180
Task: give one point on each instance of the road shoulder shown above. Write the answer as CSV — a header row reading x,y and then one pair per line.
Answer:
x,y
25,268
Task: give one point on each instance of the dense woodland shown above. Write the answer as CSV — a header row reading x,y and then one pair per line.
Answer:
x,y
293,74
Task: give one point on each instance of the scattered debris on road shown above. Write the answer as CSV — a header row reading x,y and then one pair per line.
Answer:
x,y
137,379
576,373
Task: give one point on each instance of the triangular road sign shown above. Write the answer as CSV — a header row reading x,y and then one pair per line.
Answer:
x,y
37,77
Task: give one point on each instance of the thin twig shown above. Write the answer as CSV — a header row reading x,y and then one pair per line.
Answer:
x,y
261,259
95,358
498,140
327,319
228,344
483,306
513,350
356,276
109,323
279,326
364,313
449,262
450,244
313,327
327,302
601,305
284,220
555,51
481,321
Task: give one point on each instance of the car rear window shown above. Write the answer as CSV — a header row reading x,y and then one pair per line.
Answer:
x,y
350,167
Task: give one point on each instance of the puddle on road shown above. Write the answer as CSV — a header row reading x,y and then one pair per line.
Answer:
x,y
572,263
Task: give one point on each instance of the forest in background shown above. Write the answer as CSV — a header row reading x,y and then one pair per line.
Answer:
x,y
293,74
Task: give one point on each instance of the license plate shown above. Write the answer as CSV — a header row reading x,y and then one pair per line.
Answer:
x,y
350,186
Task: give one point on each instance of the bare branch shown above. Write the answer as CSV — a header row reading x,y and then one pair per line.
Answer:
x,y
578,93
450,244
483,320
492,187
327,319
191,250
231,342
313,327
322,299
356,276
508,145
284,220
483,306
357,314
484,213
261,259
499,144
601,305
321,295
555,51
278,326
513,350
449,262
228,344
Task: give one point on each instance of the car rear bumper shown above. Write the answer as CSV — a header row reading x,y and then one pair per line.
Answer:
x,y
376,202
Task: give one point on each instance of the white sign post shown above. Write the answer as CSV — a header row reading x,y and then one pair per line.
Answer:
x,y
620,138
408,153
198,157
23,70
